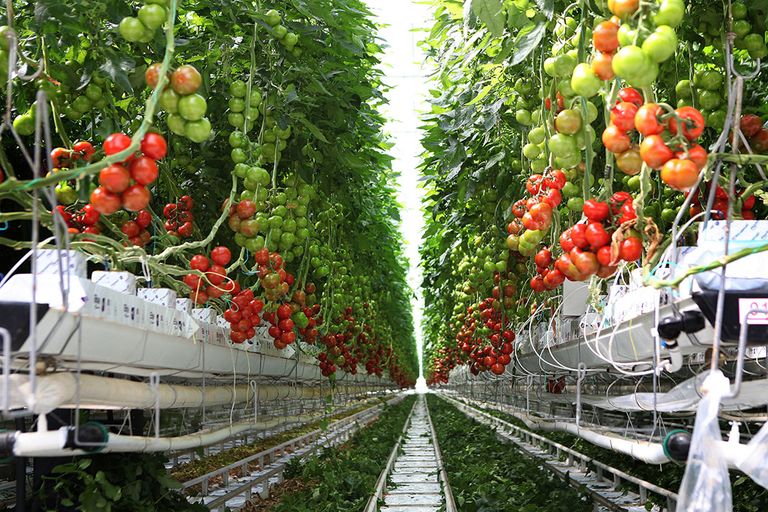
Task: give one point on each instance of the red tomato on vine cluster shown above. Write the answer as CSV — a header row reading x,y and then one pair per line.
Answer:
x,y
179,217
136,229
124,184
214,283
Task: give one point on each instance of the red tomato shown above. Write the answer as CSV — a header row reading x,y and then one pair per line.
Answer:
x,y
90,216
136,198
631,249
604,256
647,120
552,197
697,154
627,213
623,116
116,143
750,124
615,140
693,123
596,210
221,255
533,185
104,201
655,152
565,241
579,236
130,229
261,256
199,262
543,258
186,203
115,178
84,148
144,219
216,274
605,37
154,146
597,236
556,179
631,95
519,209
602,66
143,170
680,174
759,142
553,279
537,284
585,261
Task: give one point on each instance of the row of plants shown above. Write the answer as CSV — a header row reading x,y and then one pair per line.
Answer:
x,y
747,495
203,465
343,478
232,151
487,474
564,139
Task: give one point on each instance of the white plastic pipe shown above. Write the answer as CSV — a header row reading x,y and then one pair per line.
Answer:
x,y
60,390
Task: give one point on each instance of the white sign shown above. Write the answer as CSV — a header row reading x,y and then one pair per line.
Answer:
x,y
747,306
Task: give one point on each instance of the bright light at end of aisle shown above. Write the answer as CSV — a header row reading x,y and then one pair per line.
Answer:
x,y
405,73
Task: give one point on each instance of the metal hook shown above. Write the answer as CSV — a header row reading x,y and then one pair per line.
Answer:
x,y
582,372
154,385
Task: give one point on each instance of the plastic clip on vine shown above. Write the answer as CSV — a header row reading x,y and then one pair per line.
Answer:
x,y
706,484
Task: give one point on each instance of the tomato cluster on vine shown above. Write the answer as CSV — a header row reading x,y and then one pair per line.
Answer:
x,y
179,217
125,184
136,229
215,282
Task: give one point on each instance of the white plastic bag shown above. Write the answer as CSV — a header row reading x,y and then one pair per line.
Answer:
x,y
706,485
755,464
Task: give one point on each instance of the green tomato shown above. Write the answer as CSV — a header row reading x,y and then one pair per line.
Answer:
x,y
237,139
82,104
65,194
192,107
6,36
708,79
562,145
570,190
198,131
523,117
755,45
584,81
564,87
241,170
630,61
592,112
259,176
684,90
272,17
670,13
238,89
539,165
661,44
549,66
575,204
709,100
238,155
169,101
93,92
738,10
537,135
280,31
177,124
235,119
564,65
131,29
236,104
716,119
24,124
626,35
531,151
634,183
153,16
568,122
741,28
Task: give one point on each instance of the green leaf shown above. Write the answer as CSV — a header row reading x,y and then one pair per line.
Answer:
x,y
527,41
482,94
490,12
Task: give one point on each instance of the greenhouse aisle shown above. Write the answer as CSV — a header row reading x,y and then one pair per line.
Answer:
x,y
414,482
